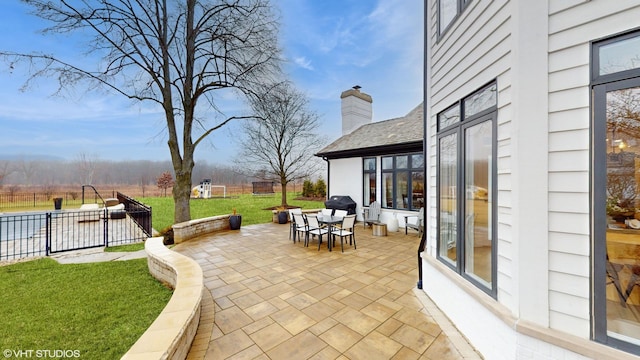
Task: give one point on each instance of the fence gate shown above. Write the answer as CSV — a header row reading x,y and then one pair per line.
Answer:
x,y
76,230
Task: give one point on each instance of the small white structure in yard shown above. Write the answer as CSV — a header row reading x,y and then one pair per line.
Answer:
x,y
202,191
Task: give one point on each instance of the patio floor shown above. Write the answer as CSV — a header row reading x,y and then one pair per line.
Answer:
x,y
269,298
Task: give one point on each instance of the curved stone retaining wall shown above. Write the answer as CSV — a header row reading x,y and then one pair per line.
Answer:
x,y
196,227
171,334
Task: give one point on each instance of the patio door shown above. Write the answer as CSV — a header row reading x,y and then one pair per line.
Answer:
x,y
616,218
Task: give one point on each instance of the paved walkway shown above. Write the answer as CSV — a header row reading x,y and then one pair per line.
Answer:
x,y
96,255
269,298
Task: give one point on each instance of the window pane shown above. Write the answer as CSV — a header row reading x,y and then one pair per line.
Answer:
x,y
622,213
449,117
619,56
402,162
447,172
482,100
387,190
448,10
387,163
417,161
402,187
417,190
369,188
478,242
369,164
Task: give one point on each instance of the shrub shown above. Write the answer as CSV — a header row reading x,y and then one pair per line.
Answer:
x,y
308,189
321,188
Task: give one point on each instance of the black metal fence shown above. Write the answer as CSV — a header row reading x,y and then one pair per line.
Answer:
x,y
139,212
13,200
43,233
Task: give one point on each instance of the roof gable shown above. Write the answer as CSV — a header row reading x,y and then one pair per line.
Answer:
x,y
392,134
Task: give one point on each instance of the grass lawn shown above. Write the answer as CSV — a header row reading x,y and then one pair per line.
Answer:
x,y
98,309
250,207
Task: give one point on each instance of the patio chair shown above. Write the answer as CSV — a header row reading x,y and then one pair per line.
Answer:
x,y
300,227
417,224
340,213
327,212
634,280
314,229
346,229
613,278
373,215
292,222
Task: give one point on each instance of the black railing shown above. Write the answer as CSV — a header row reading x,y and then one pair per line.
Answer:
x,y
139,212
12,200
25,235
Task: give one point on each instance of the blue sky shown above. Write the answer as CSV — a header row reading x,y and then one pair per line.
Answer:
x,y
330,46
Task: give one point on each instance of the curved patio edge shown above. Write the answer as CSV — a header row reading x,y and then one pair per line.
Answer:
x,y
171,334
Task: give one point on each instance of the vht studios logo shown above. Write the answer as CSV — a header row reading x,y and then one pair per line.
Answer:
x,y
40,354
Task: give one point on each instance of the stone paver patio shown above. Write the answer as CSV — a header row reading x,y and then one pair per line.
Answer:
x,y
269,298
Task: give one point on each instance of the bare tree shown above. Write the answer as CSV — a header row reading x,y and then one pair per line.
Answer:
x,y
173,53
281,146
87,167
28,168
5,170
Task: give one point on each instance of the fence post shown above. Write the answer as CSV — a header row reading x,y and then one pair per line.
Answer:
x,y
48,234
106,227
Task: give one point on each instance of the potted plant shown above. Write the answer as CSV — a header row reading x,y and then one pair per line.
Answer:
x,y
235,220
57,203
283,216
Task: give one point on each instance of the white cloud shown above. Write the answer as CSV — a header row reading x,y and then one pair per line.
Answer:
x,y
303,62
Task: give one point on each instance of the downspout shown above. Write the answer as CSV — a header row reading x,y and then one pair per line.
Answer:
x,y
425,116
328,177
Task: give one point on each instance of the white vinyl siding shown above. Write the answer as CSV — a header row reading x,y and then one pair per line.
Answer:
x,y
572,25
485,44
457,72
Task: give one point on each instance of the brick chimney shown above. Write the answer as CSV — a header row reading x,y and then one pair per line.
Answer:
x,y
356,109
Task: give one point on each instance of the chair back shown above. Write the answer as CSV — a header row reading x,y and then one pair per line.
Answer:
x,y
340,213
299,219
294,211
348,222
419,220
327,212
312,221
374,211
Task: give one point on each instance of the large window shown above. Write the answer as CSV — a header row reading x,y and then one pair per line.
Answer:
x,y
466,187
403,181
448,10
616,191
369,177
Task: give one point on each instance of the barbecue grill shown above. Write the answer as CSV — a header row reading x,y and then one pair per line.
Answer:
x,y
341,202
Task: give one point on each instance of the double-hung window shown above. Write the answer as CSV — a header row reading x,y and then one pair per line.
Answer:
x,y
403,181
466,186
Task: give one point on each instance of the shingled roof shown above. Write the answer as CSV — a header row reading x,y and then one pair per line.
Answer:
x,y
381,137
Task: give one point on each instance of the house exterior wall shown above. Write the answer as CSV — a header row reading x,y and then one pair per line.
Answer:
x,y
539,54
346,178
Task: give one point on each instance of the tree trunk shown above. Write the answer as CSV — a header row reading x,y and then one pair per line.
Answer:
x,y
181,197
283,185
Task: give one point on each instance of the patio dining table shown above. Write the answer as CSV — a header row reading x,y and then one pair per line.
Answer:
x,y
330,221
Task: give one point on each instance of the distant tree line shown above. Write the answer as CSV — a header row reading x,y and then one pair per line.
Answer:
x,y
85,170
